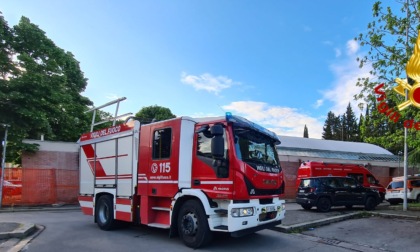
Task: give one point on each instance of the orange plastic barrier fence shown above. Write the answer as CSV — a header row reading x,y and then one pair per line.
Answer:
x,y
27,186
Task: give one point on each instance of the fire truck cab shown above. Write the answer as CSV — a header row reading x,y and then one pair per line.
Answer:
x,y
191,176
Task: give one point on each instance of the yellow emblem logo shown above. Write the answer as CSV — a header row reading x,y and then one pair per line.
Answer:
x,y
412,83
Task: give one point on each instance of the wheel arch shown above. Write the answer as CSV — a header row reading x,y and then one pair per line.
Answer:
x,y
326,197
99,195
180,198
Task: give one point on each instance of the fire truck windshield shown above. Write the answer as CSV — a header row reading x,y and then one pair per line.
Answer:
x,y
257,150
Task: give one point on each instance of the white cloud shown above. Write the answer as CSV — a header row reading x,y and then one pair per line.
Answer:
x,y
352,47
281,120
337,52
344,88
318,103
112,97
208,82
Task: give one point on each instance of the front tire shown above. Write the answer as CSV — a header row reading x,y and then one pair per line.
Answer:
x,y
193,227
323,205
370,204
104,214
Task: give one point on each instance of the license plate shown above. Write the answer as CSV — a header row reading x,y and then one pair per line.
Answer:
x,y
302,190
270,208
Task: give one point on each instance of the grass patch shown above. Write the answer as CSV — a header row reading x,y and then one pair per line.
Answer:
x,y
414,204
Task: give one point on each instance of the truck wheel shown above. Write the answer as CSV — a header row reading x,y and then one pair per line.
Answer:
x,y
418,198
370,204
323,205
104,214
193,227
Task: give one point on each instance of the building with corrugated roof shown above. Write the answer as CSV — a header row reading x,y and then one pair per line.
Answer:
x,y
294,150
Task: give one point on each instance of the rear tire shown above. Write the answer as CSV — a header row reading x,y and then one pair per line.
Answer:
x,y
418,198
193,227
323,205
370,204
104,213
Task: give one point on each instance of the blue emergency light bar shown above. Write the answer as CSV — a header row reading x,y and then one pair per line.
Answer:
x,y
245,123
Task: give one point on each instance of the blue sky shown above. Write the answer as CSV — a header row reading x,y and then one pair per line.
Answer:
x,y
282,64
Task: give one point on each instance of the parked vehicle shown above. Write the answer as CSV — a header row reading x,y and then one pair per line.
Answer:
x,y
395,190
327,191
191,176
360,173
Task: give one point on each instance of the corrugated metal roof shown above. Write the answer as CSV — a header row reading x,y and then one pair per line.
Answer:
x,y
330,149
330,145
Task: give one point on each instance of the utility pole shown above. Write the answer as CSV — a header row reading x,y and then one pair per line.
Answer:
x,y
3,161
405,128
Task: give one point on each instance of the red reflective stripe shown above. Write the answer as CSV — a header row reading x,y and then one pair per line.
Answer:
x,y
90,155
87,210
124,216
86,198
124,201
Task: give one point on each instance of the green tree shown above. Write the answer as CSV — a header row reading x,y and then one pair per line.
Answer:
x,y
327,133
7,67
154,112
305,132
337,128
40,88
351,127
390,38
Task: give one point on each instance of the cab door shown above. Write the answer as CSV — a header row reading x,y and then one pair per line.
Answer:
x,y
210,174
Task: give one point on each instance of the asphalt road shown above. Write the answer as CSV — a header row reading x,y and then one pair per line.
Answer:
x,y
384,234
72,231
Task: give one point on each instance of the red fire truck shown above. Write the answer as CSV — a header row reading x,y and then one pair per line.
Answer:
x,y
191,176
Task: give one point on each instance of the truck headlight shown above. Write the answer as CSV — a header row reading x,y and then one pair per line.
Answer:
x,y
242,212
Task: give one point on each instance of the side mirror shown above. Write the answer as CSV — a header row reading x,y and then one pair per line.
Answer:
x,y
217,142
205,130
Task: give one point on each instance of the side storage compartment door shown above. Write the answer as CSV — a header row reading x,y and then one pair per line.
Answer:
x,y
104,164
125,167
86,169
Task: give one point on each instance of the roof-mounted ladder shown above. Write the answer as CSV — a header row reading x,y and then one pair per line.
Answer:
x,y
114,119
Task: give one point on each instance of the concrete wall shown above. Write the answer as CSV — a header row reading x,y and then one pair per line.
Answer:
x,y
52,155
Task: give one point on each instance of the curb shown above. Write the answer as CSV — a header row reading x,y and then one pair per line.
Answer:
x,y
410,208
322,222
316,223
22,231
400,216
32,209
20,245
